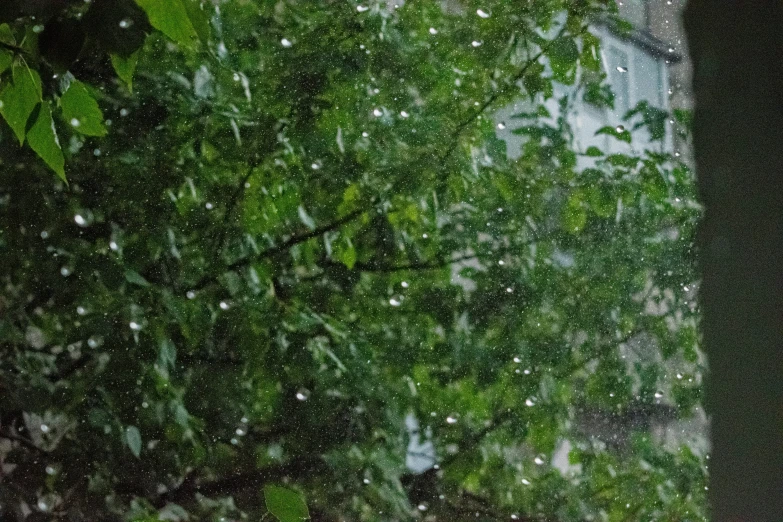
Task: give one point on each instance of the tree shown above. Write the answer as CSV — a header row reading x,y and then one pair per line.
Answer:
x,y
301,231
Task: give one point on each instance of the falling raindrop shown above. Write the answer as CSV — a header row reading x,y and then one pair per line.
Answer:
x,y
302,394
658,394
42,505
404,284
315,166
620,128
451,419
125,23
530,402
285,42
517,360
482,13
422,507
526,482
622,69
510,290
94,341
190,294
394,302
365,134
134,326
366,481
65,271
433,30
75,122
113,245
362,8
224,305
377,113
209,206
240,432
145,404
234,441
539,460
80,220
124,112
44,428
44,234
679,376
404,114
475,43
50,470
526,372
501,125
81,310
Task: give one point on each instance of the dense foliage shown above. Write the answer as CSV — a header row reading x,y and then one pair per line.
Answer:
x,y
291,226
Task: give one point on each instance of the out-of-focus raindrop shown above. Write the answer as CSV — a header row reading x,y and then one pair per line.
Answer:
x,y
501,125
404,114
475,43
125,23
539,460
44,234
113,245
525,481
44,428
81,310
285,42
530,402
622,69
404,284
658,394
240,432
80,220
422,507
433,30
75,122
517,360
482,13
362,8
451,419
209,206
134,326
190,294
377,113
395,302
302,394
224,305
94,341
50,470
620,128
65,271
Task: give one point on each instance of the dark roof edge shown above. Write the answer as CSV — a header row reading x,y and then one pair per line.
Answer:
x,y
642,38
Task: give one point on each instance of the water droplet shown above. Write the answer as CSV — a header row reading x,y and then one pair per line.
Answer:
x,y
526,482
80,220
125,23
685,288
425,236
75,122
501,262
365,134
404,114
315,166
42,505
285,42
451,419
394,302
240,432
302,395
404,284
65,271
124,112
145,404
679,376
433,30
44,428
527,371
539,460
422,507
44,234
362,8
517,360
190,294
224,305
620,128
622,69
134,326
209,206
234,441
501,125
530,402
475,43
114,246
81,310
377,113
38,28
515,517
50,470
482,13
510,290
243,420
96,152
366,481
671,49
658,394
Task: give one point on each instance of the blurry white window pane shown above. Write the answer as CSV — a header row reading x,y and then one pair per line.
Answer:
x,y
619,79
648,81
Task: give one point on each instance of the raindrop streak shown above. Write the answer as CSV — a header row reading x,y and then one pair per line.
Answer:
x,y
475,43
526,482
285,42
482,13
451,419
622,69
362,8
658,394
539,460
134,326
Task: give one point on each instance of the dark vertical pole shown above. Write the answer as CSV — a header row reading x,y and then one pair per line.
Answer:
x,y
737,51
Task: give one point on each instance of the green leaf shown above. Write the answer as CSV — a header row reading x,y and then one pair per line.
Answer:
x,y
42,138
345,252
81,110
286,505
198,18
125,66
134,277
593,152
133,440
619,132
563,54
19,98
574,213
6,59
171,17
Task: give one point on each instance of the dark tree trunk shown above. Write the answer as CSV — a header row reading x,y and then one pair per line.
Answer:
x,y
737,51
